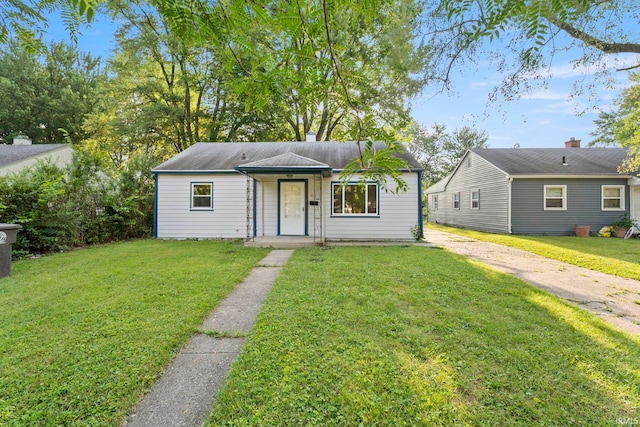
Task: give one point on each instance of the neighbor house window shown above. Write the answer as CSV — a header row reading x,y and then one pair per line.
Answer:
x,y
201,195
613,197
434,202
355,199
456,200
475,199
555,197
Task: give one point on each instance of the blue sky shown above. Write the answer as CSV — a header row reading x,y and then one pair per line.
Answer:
x,y
543,117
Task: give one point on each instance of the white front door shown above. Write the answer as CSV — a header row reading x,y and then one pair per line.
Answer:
x,y
292,208
635,202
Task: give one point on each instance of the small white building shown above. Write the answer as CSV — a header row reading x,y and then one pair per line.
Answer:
x,y
22,154
272,189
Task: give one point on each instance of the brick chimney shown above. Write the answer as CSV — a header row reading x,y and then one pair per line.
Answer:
x,y
572,143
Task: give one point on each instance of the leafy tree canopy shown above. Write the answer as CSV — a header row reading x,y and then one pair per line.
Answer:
x,y
46,96
533,31
440,151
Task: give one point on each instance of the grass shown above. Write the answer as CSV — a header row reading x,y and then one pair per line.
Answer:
x,y
399,336
83,334
605,254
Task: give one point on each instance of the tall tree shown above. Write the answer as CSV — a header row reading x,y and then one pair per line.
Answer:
x,y
47,95
341,69
165,94
626,125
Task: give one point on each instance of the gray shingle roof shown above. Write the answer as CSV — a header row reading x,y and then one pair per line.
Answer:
x,y
285,160
548,161
226,156
14,153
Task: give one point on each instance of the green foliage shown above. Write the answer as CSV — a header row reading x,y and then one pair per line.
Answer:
x,y
47,96
380,165
521,37
84,334
389,342
81,205
440,151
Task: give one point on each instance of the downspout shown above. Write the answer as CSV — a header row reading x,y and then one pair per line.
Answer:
x,y
154,227
255,208
420,224
509,205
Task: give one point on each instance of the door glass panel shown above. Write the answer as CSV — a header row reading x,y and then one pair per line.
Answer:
x,y
292,202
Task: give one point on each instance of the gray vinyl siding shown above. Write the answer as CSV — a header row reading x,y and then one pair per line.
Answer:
x,y
492,216
584,201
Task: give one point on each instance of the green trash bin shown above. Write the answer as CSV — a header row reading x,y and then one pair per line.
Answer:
x,y
8,234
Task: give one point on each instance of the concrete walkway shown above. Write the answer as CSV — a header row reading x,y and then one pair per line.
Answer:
x,y
184,395
613,298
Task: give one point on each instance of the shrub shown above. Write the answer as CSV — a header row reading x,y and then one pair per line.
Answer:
x,y
80,205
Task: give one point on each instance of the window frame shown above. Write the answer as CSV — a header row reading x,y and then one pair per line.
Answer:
x,y
193,196
477,200
366,184
434,202
622,189
455,200
563,198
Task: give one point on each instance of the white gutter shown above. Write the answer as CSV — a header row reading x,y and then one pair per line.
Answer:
x,y
569,176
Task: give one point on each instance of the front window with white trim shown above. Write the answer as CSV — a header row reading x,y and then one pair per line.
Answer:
x,y
613,198
555,197
355,199
201,195
456,200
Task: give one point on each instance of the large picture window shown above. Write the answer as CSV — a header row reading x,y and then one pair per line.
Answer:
x,y
555,197
355,199
201,195
613,198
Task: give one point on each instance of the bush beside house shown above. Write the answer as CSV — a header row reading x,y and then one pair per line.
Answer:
x,y
79,205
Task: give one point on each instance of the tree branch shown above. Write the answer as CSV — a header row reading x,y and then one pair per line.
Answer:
x,y
594,42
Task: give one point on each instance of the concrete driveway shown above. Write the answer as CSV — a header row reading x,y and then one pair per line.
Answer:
x,y
615,299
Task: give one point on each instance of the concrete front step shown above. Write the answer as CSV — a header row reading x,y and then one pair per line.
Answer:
x,y
284,242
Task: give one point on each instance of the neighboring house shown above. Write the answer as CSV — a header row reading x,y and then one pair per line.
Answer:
x,y
22,154
250,190
537,191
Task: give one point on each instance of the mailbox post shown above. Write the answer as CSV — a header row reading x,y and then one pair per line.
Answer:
x,y
8,233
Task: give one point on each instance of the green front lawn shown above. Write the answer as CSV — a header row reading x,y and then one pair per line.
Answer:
x,y
84,333
409,336
606,254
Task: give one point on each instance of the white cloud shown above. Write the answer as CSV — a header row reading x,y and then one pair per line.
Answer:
x,y
548,95
573,70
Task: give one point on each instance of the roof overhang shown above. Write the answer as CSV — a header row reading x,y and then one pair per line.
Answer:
x,y
288,163
556,176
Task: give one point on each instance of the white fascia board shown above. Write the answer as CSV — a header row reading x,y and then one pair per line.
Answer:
x,y
568,176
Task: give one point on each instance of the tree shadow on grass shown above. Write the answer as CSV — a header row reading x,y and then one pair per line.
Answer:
x,y
417,336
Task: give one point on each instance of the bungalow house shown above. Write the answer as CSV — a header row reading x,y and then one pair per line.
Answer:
x,y
272,189
537,191
22,154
